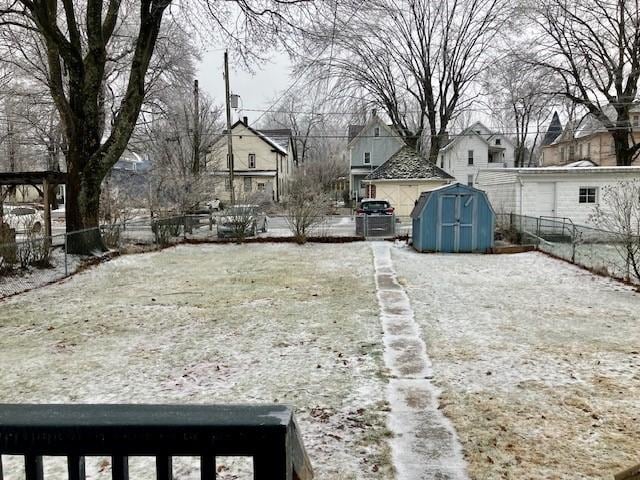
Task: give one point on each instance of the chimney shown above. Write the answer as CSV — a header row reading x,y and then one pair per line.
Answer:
x,y
245,120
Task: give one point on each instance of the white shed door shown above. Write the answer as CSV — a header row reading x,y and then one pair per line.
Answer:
x,y
546,201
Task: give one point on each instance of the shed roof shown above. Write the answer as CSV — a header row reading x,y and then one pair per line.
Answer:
x,y
424,196
406,164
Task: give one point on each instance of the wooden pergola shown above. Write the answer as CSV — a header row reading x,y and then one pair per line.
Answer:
x,y
45,178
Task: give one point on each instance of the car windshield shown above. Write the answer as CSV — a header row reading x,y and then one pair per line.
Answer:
x,y
375,205
22,211
241,210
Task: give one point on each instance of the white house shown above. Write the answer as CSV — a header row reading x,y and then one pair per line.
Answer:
x,y
563,192
262,163
474,149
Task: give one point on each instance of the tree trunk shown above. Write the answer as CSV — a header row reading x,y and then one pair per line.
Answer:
x,y
624,154
82,211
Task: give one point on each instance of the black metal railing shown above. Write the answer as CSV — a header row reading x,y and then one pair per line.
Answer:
x,y
267,433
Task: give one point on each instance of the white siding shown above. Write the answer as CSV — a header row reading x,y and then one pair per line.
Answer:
x,y
501,188
455,160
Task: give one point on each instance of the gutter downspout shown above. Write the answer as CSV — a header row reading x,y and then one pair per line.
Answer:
x,y
521,188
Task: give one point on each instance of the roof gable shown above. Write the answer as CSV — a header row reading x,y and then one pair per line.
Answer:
x,y
268,140
374,121
407,164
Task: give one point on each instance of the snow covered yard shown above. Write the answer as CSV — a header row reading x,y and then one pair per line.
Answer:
x,y
214,324
538,361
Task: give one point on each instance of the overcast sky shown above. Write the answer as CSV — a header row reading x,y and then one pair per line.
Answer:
x,y
257,90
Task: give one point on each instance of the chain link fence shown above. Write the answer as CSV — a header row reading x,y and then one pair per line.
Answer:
x,y
600,251
34,260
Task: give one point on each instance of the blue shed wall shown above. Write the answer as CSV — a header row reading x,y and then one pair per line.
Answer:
x,y
455,218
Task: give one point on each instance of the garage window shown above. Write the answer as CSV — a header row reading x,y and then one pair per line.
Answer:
x,y
587,195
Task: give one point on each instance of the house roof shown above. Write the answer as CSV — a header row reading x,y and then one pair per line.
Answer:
x,y
362,128
259,133
565,170
471,131
407,164
354,130
281,136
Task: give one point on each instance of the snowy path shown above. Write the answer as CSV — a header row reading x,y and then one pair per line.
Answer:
x,y
424,445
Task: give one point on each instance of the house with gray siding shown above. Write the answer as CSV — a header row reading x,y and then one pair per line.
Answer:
x,y
369,147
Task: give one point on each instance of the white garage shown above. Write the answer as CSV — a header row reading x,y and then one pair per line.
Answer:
x,y
564,192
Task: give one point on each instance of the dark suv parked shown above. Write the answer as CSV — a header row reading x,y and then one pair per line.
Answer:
x,y
372,206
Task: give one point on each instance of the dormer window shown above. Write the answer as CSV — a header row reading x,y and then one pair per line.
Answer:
x,y
498,141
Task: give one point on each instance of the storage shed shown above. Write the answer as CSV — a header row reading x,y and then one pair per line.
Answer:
x,y
453,218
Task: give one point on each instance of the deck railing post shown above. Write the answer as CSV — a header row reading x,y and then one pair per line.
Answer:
x,y
164,467
207,467
119,467
33,467
76,467
273,464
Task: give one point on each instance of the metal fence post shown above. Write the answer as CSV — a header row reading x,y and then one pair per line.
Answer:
x,y
66,243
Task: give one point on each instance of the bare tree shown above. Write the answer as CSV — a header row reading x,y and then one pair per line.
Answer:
x,y
306,206
416,59
593,49
171,139
619,212
79,48
520,102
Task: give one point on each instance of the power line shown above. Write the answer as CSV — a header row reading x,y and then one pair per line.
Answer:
x,y
304,70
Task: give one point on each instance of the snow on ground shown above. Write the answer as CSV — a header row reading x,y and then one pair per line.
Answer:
x,y
214,324
33,277
538,362
424,444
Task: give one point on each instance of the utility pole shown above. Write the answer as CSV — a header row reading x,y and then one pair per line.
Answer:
x,y
196,128
229,136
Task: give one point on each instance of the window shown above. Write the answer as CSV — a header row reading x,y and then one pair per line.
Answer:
x,y
247,184
376,132
636,120
562,154
498,141
587,195
441,161
252,160
228,162
589,150
470,180
367,158
579,151
261,187
227,185
572,152
281,169
470,157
